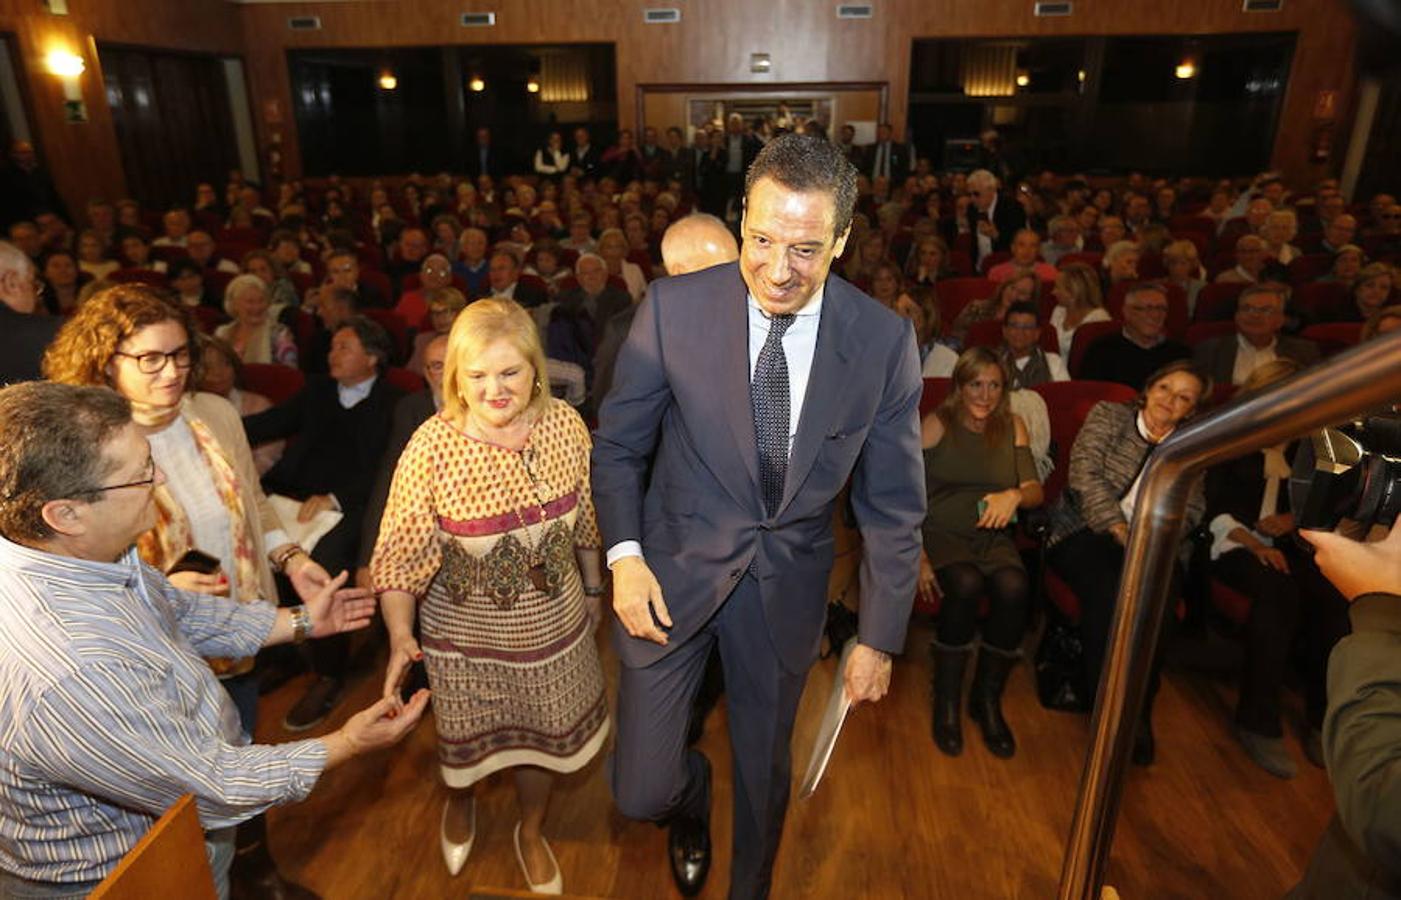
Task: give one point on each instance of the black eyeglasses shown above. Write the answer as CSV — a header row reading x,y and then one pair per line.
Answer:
x,y
149,479
154,361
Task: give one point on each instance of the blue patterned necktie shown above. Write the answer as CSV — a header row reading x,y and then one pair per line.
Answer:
x,y
769,394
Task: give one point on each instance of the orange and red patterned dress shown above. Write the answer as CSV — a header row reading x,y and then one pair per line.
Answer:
x,y
485,536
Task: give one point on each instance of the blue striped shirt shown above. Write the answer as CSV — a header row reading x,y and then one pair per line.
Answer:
x,y
108,713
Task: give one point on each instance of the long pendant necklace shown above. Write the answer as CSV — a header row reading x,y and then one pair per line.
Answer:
x,y
537,572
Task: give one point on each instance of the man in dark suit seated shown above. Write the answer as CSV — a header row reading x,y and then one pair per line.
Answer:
x,y
1142,347
24,331
503,280
410,250
1230,358
993,218
341,425
343,271
411,411
585,158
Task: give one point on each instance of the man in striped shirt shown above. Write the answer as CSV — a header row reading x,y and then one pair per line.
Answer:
x,y
108,712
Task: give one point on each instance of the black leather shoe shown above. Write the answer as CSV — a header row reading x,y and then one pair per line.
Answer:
x,y
253,874
316,704
1144,747
688,845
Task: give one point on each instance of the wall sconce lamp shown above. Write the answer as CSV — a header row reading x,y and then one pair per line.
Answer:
x,y
1023,79
69,67
387,81
1186,69
476,85
533,85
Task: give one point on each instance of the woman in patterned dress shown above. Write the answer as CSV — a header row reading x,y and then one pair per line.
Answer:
x,y
490,529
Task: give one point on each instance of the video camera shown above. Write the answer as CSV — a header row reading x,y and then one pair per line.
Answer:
x,y
1350,472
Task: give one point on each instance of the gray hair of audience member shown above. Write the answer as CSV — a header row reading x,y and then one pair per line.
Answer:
x,y
982,178
1116,250
696,242
51,442
1146,287
237,285
373,338
804,163
13,259
595,258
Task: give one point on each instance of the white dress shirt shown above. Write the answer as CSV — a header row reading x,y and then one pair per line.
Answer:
x,y
799,348
985,242
349,396
1249,357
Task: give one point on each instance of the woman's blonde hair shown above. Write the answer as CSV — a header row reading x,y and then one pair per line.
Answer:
x,y
87,342
1083,284
236,286
971,363
479,325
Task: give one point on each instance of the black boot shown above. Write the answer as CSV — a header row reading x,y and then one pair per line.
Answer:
x,y
985,699
254,875
949,665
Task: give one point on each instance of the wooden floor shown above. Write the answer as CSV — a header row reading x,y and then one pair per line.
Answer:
x,y
894,818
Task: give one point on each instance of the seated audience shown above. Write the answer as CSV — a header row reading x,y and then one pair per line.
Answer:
x,y
1184,269
1025,249
1078,300
580,238
548,267
175,228
992,218
1338,233
341,425
343,271
503,280
1120,263
1281,227
254,334
594,296
25,330
1018,289
406,258
113,714
929,263
282,293
93,257
1142,347
1370,291
222,375
552,159
1111,231
200,247
1027,365
472,263
613,247
1347,263
1253,264
434,274
1090,521
979,472
187,284
1253,551
1233,358
136,254
63,282
1065,238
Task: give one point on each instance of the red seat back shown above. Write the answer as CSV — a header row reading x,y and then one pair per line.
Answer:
x,y
960,264
1217,301
1322,300
1084,337
995,258
1309,267
1334,337
935,390
139,276
276,382
1198,332
405,380
1088,258
956,293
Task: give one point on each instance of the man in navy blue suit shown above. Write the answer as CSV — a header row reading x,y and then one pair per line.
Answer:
x,y
744,397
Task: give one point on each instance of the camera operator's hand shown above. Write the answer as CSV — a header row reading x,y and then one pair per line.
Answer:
x,y
1271,558
1356,568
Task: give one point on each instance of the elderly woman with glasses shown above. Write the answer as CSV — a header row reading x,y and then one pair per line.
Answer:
x,y
215,531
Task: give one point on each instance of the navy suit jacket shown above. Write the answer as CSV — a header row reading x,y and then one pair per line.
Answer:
x,y
675,464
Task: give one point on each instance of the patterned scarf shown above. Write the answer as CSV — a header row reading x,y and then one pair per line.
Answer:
x,y
172,536
1036,371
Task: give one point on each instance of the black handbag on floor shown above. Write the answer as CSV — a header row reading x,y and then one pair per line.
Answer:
x,y
1059,679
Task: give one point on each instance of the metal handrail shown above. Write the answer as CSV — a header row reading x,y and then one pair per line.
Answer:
x,y
1363,378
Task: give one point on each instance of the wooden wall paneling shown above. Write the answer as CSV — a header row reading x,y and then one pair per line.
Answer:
x,y
84,157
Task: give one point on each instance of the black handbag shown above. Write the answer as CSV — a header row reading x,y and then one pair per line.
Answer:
x,y
1059,670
